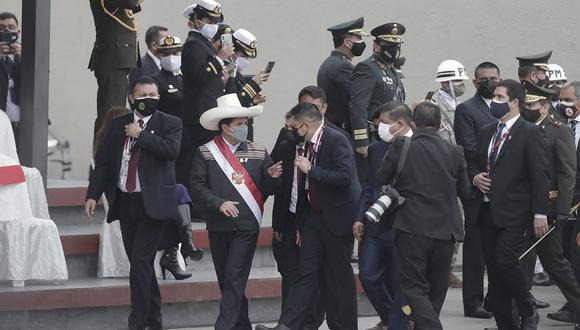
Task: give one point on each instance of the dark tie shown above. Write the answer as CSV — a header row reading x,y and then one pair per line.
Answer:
x,y
10,67
297,178
495,145
132,172
572,124
311,186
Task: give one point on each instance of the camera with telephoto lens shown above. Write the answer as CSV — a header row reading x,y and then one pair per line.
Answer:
x,y
390,197
8,36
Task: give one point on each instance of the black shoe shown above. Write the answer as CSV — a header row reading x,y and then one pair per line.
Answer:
x,y
278,327
541,279
531,322
169,262
540,304
563,315
185,232
478,313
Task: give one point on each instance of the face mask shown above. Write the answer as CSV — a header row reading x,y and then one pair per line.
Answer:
x,y
145,106
358,47
499,109
543,82
485,88
385,132
240,133
297,137
531,115
390,53
567,109
458,88
171,63
209,30
242,62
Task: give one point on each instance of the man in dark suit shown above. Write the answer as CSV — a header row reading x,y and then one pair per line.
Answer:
x,y
151,61
327,202
135,167
115,51
470,117
203,83
433,175
10,53
513,174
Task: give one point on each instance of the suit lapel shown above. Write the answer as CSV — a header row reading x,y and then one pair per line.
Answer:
x,y
508,139
483,108
120,144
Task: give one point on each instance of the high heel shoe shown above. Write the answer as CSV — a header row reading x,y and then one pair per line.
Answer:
x,y
169,262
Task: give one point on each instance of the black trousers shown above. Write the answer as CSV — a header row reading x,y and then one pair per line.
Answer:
x,y
232,253
141,237
473,261
507,281
112,91
322,256
424,275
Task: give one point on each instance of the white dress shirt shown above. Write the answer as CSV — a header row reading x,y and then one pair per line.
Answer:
x,y
487,101
577,130
129,142
294,194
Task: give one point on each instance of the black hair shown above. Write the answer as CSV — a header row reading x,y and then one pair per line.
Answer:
x,y
525,71
225,121
306,112
314,92
486,65
338,39
7,15
288,115
152,34
397,111
144,80
427,114
514,90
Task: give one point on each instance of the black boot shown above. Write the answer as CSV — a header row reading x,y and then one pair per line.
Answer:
x,y
169,262
188,249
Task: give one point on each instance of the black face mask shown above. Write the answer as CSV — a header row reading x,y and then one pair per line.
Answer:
x,y
566,111
297,137
358,48
290,136
531,115
543,82
485,88
390,53
145,106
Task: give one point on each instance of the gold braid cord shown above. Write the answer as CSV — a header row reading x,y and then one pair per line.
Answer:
x,y
129,14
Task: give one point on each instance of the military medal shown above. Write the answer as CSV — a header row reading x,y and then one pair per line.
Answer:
x,y
238,178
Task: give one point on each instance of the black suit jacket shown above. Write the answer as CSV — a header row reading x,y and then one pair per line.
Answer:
x,y
433,176
285,152
4,78
471,117
337,186
159,143
520,179
202,85
115,44
148,68
170,92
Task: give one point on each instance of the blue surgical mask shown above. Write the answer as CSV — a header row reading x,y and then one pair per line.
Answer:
x,y
499,109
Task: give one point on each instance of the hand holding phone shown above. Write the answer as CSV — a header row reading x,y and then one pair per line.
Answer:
x,y
269,67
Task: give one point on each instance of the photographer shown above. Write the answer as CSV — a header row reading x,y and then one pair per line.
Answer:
x,y
10,52
428,223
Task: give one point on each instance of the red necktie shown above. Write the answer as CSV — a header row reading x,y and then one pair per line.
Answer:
x,y
132,172
311,187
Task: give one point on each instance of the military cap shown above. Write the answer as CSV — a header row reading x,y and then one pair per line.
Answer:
x,y
205,8
391,32
538,60
223,28
245,42
535,93
170,44
352,27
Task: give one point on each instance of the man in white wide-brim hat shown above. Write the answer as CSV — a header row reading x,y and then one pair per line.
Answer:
x,y
230,181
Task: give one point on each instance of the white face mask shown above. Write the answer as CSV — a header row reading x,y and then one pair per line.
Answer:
x,y
209,30
171,63
385,132
242,62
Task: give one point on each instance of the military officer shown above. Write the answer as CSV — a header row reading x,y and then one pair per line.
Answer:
x,y
169,78
115,52
562,165
334,74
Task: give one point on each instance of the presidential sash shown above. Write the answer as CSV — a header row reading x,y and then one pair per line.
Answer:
x,y
11,174
238,176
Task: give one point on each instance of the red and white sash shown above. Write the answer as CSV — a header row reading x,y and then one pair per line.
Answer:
x,y
238,176
11,174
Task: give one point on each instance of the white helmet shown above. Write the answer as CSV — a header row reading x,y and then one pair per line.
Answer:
x,y
556,73
451,70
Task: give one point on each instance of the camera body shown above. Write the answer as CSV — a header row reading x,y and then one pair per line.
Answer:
x,y
390,198
8,36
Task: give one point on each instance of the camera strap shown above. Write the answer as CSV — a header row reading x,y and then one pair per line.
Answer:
x,y
402,158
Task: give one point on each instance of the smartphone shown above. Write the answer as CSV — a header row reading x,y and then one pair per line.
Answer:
x,y
269,67
429,96
227,39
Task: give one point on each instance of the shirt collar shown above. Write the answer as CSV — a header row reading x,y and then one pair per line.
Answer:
x,y
317,133
233,147
136,118
511,122
487,101
155,59
409,133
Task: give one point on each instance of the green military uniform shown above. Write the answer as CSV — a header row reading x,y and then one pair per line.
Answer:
x,y
562,166
115,51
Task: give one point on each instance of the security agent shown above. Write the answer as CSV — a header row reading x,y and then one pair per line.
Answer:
x,y
151,61
433,175
562,165
375,82
335,73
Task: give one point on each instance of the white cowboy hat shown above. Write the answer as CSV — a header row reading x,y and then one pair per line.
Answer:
x,y
228,106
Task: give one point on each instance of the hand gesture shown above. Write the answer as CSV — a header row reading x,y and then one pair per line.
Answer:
x,y
90,205
303,164
5,48
482,182
132,130
540,227
358,229
261,77
275,170
259,98
16,49
364,151
226,52
229,209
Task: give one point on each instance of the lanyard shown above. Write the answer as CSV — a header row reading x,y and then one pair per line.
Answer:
x,y
496,146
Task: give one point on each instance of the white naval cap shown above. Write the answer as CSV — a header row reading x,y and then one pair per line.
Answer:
x,y
245,42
